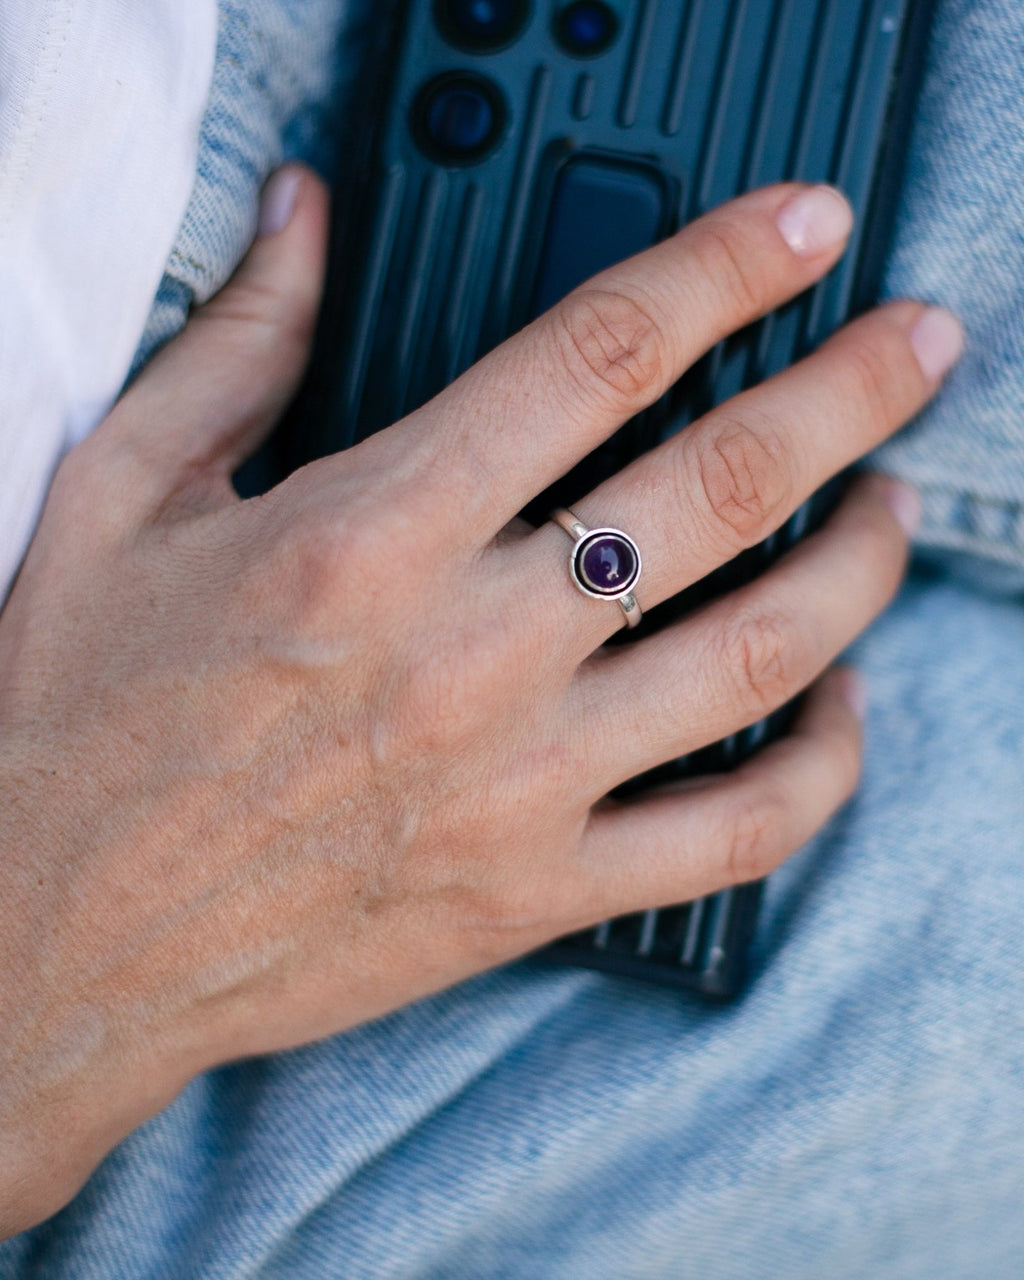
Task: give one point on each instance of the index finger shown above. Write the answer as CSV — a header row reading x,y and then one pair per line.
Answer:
x,y
541,401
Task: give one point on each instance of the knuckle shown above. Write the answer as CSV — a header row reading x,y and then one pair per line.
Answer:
x,y
762,661
609,345
264,318
452,696
746,480
883,551
322,558
296,319
879,380
440,706
755,836
723,250
504,921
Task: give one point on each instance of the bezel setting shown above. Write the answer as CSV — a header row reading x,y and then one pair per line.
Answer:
x,y
619,542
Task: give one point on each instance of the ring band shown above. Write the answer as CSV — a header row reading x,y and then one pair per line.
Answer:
x,y
604,563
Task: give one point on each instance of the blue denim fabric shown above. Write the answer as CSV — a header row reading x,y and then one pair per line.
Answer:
x,y
281,64
861,1112
960,241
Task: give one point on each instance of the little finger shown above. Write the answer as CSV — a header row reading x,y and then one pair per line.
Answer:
x,y
694,838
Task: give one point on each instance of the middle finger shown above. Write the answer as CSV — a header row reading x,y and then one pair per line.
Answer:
x,y
727,482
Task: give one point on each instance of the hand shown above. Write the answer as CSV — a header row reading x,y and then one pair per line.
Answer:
x,y
272,768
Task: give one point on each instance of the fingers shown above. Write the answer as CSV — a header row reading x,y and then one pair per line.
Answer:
x,y
210,396
735,476
700,836
750,652
537,404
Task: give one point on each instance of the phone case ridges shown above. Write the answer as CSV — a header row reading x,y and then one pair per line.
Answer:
x,y
724,94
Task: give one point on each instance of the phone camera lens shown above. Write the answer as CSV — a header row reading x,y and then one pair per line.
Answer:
x,y
480,26
586,28
459,117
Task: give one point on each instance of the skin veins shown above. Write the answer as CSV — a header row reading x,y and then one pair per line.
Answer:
x,y
272,769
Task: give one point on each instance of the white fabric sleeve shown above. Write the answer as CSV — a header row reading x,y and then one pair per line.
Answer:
x,y
100,107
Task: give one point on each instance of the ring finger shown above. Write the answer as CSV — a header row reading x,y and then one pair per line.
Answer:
x,y
748,653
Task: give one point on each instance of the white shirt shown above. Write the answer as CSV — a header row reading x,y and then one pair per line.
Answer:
x,y
100,107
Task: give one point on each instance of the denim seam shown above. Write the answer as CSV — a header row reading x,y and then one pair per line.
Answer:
x,y
257,35
958,519
193,266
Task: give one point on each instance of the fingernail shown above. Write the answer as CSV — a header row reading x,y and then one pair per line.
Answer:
x,y
905,503
938,341
815,220
278,202
855,692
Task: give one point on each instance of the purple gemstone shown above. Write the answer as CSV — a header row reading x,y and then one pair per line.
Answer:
x,y
608,564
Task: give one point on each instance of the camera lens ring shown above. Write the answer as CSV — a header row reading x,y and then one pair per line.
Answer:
x,y
586,28
458,118
481,26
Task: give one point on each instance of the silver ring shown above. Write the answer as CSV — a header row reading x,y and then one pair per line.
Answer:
x,y
604,563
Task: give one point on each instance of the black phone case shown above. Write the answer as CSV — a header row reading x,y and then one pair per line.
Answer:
x,y
434,262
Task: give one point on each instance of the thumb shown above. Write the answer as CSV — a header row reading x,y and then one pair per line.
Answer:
x,y
208,399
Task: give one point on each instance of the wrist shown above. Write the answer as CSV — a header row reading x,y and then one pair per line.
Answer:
x,y
75,1076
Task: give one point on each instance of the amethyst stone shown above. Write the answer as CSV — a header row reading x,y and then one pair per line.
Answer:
x,y
606,563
